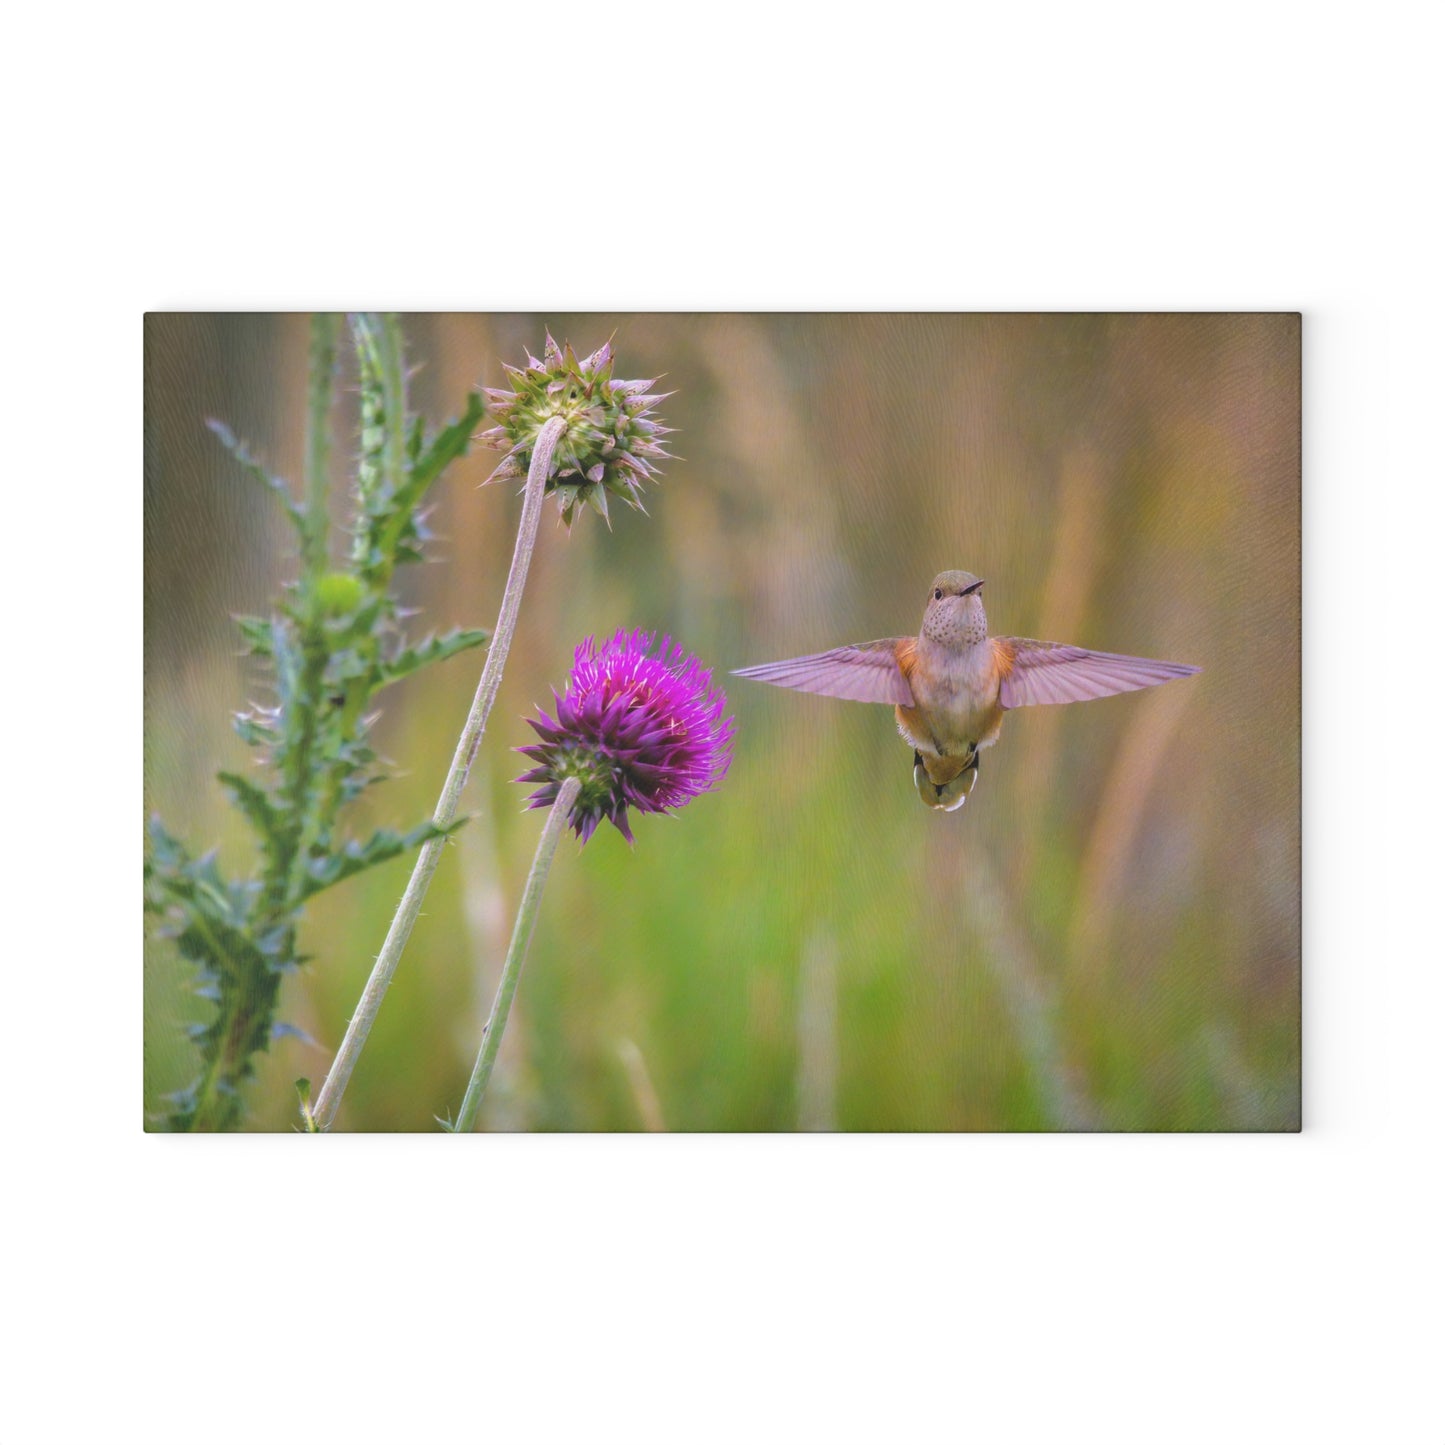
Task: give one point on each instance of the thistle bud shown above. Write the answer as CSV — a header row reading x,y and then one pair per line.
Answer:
x,y
611,439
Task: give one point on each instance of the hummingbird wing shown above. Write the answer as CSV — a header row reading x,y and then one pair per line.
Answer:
x,y
1047,672
868,672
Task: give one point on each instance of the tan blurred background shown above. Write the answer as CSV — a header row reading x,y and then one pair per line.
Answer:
x,y
1107,935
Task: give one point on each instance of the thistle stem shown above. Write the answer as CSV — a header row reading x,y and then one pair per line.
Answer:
x,y
319,384
522,932
329,1099
393,383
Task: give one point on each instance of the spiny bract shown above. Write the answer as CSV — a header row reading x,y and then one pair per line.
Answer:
x,y
611,439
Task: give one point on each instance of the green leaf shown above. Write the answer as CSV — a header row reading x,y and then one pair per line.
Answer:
x,y
238,449
430,649
165,866
255,802
390,533
383,845
254,731
257,634
448,444
282,1030
303,1098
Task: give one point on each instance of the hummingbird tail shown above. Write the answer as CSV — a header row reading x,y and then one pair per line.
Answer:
x,y
951,794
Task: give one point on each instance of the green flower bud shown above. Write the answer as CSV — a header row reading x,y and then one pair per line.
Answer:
x,y
338,593
611,439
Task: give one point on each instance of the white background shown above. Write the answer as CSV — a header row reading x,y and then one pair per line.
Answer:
x,y
993,1290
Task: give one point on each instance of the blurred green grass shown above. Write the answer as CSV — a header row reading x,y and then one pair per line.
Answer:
x,y
1107,935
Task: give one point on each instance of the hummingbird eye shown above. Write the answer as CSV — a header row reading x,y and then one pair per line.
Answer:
x,y
938,594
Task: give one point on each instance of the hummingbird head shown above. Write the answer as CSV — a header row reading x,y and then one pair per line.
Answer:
x,y
954,615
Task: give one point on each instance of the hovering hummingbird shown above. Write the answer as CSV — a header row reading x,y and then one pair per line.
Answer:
x,y
951,685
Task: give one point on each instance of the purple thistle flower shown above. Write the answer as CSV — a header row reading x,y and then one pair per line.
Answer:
x,y
637,726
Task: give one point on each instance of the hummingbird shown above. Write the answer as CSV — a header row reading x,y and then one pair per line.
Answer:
x,y
951,685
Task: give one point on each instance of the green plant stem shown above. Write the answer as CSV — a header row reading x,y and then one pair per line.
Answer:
x,y
522,932
237,1010
321,373
284,885
329,1099
281,887
393,390
232,1051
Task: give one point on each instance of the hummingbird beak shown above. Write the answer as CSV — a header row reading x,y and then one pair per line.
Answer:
x,y
969,591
